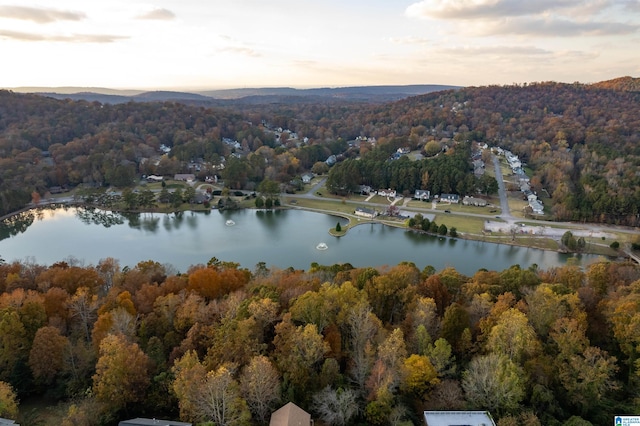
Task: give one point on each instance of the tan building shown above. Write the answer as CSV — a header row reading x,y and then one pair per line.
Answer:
x,y
290,415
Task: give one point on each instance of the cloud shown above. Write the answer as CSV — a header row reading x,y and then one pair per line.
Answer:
x,y
73,38
473,9
543,18
246,51
497,51
410,40
39,15
158,15
557,28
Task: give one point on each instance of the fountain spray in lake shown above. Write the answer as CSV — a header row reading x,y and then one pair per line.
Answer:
x,y
229,222
322,246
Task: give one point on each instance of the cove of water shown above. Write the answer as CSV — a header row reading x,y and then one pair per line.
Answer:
x,y
282,238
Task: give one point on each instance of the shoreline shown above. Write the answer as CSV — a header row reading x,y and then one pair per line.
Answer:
x,y
353,221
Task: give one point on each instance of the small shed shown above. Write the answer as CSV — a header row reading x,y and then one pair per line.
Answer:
x,y
290,415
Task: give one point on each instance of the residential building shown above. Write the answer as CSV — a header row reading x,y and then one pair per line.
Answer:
x,y
290,415
365,212
185,177
364,189
306,178
7,422
457,418
536,206
450,198
472,201
387,193
422,194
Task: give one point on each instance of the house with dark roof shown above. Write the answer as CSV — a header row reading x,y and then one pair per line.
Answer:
x,y
290,415
365,212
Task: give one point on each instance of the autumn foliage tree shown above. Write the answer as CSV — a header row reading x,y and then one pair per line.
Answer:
x,y
121,376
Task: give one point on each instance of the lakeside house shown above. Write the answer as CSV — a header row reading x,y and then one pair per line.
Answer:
x,y
456,418
365,212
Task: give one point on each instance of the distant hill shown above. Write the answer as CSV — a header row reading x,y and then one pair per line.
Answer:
x,y
625,84
241,96
71,90
356,92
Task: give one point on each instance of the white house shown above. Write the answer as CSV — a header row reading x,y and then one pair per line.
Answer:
x,y
422,194
387,193
450,198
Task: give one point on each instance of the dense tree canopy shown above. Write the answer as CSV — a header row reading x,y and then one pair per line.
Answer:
x,y
350,345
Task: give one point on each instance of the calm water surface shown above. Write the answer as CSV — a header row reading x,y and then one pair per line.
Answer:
x,y
281,238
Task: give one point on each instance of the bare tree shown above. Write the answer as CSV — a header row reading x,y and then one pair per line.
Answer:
x,y
335,407
260,387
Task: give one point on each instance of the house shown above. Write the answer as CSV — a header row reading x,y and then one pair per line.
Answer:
x,y
365,212
7,422
456,418
422,194
154,178
290,415
306,178
151,422
185,177
536,206
364,189
450,198
472,201
331,160
387,193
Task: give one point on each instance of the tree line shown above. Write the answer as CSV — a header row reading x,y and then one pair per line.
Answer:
x,y
224,345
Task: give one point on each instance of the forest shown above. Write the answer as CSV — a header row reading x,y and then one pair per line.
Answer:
x,y
579,143
225,345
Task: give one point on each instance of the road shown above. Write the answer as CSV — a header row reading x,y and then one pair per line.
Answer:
x,y
502,192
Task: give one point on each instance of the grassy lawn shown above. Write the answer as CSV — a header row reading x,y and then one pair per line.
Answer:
x,y
464,224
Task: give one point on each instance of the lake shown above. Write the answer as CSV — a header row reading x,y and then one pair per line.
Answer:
x,y
282,238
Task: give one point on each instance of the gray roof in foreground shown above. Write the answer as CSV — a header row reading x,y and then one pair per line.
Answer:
x,y
151,422
458,418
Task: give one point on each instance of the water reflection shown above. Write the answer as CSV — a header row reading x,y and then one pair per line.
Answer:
x,y
16,224
95,216
277,238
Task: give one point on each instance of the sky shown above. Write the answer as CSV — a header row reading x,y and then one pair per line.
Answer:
x,y
212,44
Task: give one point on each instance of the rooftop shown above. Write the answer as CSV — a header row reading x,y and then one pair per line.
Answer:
x,y
458,418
